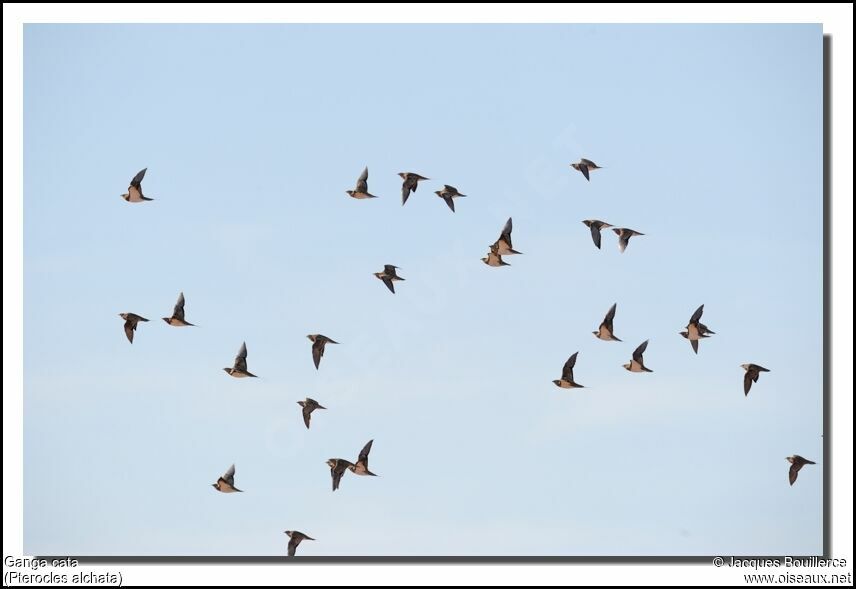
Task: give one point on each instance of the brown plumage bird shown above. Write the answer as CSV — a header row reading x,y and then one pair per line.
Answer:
x,y
585,166
177,319
637,363
226,483
338,467
411,181
753,371
388,276
309,405
295,538
595,226
135,190
361,190
797,462
319,342
362,465
131,320
448,194
239,368
567,380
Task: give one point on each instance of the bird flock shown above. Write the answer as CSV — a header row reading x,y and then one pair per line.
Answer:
x,y
694,332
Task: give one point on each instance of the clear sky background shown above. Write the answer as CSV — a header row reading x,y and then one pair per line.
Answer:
x,y
711,142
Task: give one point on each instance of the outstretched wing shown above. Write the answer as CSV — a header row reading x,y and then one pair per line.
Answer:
x,y
506,232
697,315
241,358
337,476
388,282
178,310
307,414
292,544
130,326
637,353
362,181
792,472
584,169
317,351
229,476
747,382
595,234
364,453
568,369
610,315
135,182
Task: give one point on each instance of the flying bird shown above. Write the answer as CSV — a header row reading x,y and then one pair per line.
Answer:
x,y
295,538
388,276
624,236
135,190
636,364
177,319
503,244
696,330
753,371
318,344
595,227
605,332
338,467
585,166
361,191
493,258
309,405
797,462
362,465
131,320
226,483
448,194
567,380
409,185
239,370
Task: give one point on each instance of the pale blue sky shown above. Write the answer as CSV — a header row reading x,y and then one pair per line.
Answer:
x,y
711,141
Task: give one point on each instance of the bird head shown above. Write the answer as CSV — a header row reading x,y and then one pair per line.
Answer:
x,y
126,196
627,366
558,383
331,462
123,315
288,533
349,192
